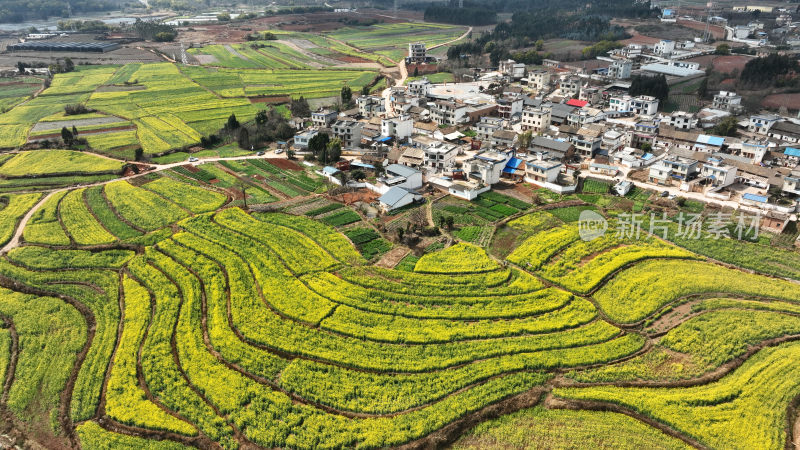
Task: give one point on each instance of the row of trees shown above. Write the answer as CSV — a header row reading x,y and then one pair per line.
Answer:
x,y
653,86
15,11
474,15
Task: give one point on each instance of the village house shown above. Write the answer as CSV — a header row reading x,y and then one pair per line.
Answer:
x,y
535,119
323,117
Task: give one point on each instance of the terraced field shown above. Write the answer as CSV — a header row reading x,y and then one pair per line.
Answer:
x,y
176,318
161,107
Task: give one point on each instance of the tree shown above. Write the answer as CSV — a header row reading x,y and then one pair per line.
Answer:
x,y
416,71
358,175
646,147
524,140
726,127
261,118
21,67
300,107
232,123
365,90
334,151
442,221
347,95
318,144
224,17
449,222
74,131
69,66
702,90
653,86
66,136
244,139
243,188
539,45
723,49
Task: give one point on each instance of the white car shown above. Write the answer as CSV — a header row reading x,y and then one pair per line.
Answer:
x,y
278,151
193,159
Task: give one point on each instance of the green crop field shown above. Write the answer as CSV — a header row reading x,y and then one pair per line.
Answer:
x,y
164,107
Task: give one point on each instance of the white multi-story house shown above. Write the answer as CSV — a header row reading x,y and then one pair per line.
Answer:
x,y
664,48
504,138
586,145
620,69
509,105
301,139
417,52
370,106
536,119
323,117
419,88
570,86
487,126
349,132
644,105
512,69
401,127
612,140
681,120
538,79
440,155
728,101
539,169
584,116
791,183
486,167
448,113
762,123
720,175
754,151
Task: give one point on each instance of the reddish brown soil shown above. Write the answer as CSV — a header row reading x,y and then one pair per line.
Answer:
x,y
727,64
717,31
315,22
350,59
284,164
191,168
791,101
361,195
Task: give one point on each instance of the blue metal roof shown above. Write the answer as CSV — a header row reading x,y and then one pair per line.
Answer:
x,y
513,163
384,139
710,140
755,198
330,170
510,170
791,151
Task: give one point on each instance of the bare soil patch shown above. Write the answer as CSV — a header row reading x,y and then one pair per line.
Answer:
x,y
284,164
791,101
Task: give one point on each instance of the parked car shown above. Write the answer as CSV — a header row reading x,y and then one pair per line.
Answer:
x,y
260,154
278,151
193,159
665,193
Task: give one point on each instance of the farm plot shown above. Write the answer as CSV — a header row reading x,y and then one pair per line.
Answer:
x,y
389,39
224,328
746,409
54,162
